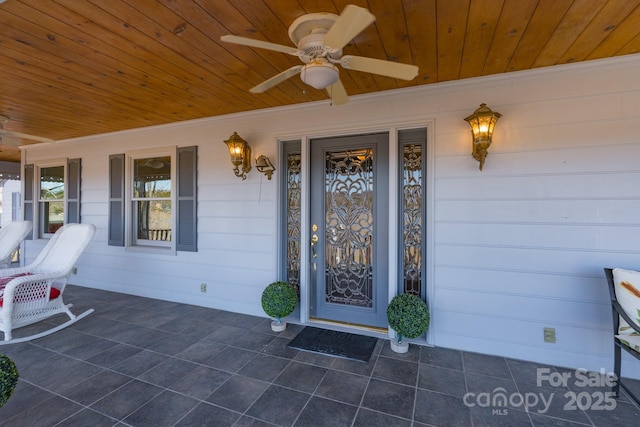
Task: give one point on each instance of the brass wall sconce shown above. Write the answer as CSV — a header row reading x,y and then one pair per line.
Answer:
x,y
264,165
482,122
240,153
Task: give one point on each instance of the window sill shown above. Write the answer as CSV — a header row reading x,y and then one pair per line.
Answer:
x,y
158,250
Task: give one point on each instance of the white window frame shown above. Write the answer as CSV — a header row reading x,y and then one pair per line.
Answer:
x,y
38,216
131,241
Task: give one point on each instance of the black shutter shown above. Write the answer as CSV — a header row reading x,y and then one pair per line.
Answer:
x,y
116,200
187,224
73,190
28,197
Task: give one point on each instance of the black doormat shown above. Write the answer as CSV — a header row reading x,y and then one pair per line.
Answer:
x,y
334,343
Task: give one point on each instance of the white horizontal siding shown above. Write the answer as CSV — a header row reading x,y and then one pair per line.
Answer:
x,y
522,332
521,245
555,311
522,339
517,247
537,284
551,186
619,158
543,261
601,237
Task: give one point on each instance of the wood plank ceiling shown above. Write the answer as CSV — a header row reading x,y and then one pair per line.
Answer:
x,y
72,68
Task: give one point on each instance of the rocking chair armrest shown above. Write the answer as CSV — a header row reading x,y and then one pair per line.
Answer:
x,y
618,308
8,272
37,277
11,287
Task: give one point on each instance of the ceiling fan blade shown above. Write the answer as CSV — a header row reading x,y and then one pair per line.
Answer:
x,y
337,93
7,142
379,66
25,136
260,44
278,78
351,22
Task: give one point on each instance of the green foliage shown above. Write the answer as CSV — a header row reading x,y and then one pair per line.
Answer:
x,y
279,299
408,315
8,378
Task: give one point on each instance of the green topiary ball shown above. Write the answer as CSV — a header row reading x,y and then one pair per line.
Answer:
x,y
408,315
279,299
8,378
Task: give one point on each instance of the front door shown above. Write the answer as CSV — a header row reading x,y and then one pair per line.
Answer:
x,y
349,229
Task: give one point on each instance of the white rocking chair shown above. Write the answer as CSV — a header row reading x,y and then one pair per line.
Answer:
x,y
34,292
11,235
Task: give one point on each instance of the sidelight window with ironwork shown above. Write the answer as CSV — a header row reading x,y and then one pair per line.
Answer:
x,y
292,212
412,213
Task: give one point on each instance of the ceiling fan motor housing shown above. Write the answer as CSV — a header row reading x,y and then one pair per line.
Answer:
x,y
312,45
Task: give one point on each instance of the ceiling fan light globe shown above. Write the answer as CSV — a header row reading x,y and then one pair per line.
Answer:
x,y
319,75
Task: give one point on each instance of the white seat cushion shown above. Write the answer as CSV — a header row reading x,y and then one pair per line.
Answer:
x,y
631,341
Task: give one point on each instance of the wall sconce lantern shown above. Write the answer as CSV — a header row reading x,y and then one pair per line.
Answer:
x,y
240,153
264,165
482,122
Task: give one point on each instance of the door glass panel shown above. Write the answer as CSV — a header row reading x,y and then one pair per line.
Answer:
x,y
349,188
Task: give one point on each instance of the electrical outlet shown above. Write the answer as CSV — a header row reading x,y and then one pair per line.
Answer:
x,y
203,288
75,270
550,335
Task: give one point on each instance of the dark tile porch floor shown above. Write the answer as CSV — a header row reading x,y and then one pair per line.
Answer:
x,y
143,362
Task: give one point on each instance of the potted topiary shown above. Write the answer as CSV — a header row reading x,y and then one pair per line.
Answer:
x,y
8,378
408,315
279,299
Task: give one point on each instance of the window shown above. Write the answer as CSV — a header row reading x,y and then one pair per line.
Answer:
x,y
292,208
51,201
152,199
52,195
412,147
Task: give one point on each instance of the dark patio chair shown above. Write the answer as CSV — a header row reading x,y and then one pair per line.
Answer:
x,y
621,316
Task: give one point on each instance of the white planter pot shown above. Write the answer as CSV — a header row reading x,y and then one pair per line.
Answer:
x,y
278,327
402,347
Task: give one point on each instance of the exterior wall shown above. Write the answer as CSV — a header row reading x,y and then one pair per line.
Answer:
x,y
9,183
9,187
517,247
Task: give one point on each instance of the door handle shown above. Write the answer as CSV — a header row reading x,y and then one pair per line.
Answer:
x,y
314,240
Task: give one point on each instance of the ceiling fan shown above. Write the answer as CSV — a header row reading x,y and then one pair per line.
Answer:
x,y
8,137
319,38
